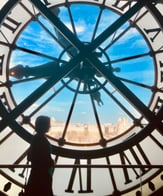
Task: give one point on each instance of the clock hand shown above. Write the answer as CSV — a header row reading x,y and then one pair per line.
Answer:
x,y
109,32
91,47
44,70
26,103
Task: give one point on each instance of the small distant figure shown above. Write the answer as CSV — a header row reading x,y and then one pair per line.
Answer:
x,y
40,179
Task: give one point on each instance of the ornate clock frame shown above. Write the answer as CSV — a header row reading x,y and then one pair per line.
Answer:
x,y
84,68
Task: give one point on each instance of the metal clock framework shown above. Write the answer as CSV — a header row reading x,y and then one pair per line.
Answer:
x,y
108,63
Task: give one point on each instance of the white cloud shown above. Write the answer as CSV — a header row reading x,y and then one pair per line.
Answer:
x,y
79,28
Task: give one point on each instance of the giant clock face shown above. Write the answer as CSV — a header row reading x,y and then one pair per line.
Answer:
x,y
96,68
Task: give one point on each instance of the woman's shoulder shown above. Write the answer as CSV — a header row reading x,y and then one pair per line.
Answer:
x,y
40,138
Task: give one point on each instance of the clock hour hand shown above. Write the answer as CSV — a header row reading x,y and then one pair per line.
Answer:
x,y
36,94
44,70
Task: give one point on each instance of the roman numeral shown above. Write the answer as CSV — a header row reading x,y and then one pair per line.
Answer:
x,y
158,105
161,76
113,180
1,63
161,72
161,64
120,6
156,140
11,24
5,101
81,180
46,2
153,33
134,155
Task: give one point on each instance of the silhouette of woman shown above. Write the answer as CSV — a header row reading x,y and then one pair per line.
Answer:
x,y
40,179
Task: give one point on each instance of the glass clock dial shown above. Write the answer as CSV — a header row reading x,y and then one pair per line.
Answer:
x,y
96,68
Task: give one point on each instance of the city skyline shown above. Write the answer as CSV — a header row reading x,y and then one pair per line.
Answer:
x,y
88,133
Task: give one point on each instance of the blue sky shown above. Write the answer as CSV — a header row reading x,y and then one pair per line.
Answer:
x,y
34,37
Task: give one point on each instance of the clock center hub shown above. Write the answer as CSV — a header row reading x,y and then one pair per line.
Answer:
x,y
90,78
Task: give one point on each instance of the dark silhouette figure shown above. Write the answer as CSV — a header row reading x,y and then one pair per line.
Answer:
x,y
40,179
